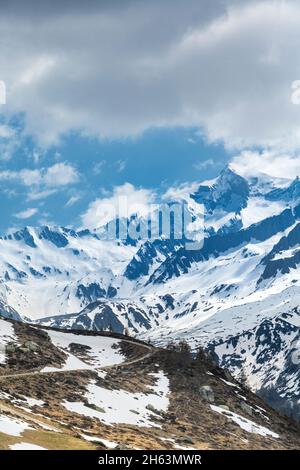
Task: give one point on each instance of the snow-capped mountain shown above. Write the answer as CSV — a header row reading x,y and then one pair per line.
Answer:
x,y
238,295
55,270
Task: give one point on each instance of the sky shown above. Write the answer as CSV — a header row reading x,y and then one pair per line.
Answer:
x,y
134,97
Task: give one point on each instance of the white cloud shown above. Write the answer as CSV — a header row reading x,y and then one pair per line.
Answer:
x,y
72,201
6,131
180,192
43,182
36,156
45,220
115,70
98,167
29,177
271,162
125,200
121,165
10,141
205,164
26,214
36,194
58,175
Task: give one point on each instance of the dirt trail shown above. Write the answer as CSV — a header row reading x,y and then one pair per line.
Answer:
x,y
98,369
15,411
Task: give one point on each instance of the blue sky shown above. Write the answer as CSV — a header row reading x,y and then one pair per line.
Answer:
x,y
155,160
148,93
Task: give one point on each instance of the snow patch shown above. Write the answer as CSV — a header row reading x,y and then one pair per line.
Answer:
x,y
7,335
101,351
120,406
26,446
12,426
244,423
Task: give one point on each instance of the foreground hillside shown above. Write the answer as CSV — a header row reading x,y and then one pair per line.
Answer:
x,y
68,390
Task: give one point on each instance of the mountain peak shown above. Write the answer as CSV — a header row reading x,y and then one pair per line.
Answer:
x,y
229,192
228,170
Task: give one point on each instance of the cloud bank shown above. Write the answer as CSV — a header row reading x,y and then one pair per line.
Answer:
x,y
225,67
42,182
125,200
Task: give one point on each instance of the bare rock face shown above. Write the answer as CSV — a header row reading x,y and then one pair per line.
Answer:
x,y
246,408
28,346
224,407
207,393
32,349
228,375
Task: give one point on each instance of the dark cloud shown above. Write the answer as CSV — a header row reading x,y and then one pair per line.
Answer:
x,y
117,68
55,7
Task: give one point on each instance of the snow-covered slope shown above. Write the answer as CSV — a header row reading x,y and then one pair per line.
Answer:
x,y
105,315
70,268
